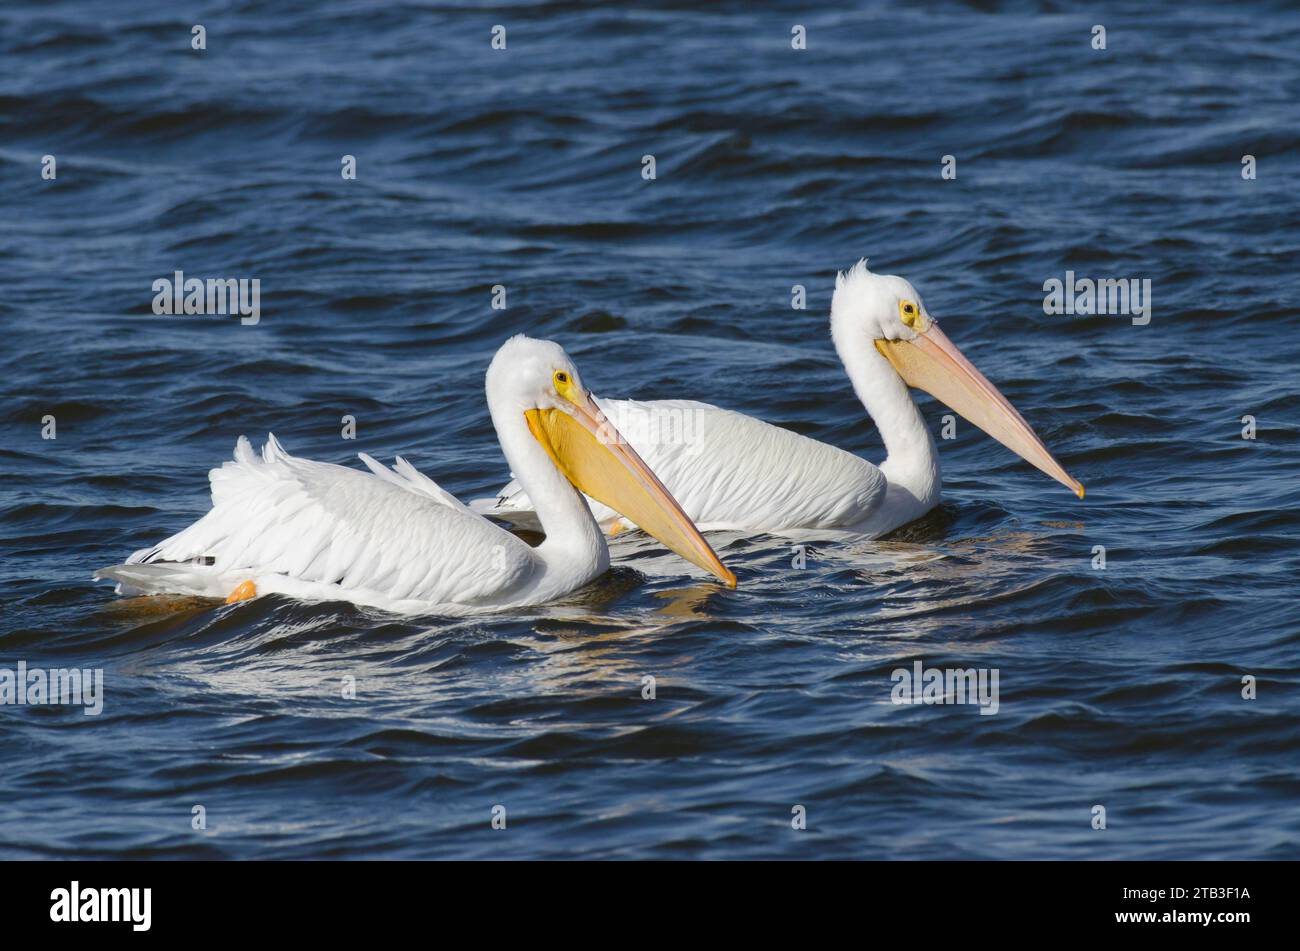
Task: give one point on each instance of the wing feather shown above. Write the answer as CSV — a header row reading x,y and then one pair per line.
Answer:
x,y
395,533
732,471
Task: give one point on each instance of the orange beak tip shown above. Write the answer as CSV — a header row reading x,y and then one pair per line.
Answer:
x,y
1079,489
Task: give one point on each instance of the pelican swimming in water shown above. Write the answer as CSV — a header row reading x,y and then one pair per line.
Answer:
x,y
394,539
731,471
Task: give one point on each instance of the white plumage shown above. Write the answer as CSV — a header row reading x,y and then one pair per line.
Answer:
x,y
392,538
731,471
317,530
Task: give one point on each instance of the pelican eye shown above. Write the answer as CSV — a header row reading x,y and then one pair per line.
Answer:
x,y
909,312
561,377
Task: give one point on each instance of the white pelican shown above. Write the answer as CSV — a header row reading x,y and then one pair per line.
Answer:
x,y
731,471
394,539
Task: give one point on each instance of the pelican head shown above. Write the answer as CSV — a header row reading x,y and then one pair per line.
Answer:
x,y
539,381
886,312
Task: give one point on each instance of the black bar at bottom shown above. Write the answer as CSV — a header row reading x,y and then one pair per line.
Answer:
x,y
332,900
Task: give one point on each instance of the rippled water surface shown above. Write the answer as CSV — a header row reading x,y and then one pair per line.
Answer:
x,y
1118,687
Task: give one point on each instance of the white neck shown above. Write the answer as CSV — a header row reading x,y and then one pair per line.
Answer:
x,y
911,463
574,551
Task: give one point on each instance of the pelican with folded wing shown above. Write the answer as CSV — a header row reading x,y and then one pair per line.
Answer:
x,y
394,539
731,471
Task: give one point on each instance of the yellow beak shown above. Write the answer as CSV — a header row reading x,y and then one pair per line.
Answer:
x,y
932,362
586,447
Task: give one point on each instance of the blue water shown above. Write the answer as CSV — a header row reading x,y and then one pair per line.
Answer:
x,y
1119,687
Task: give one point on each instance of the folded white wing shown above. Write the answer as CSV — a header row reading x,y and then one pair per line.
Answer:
x,y
731,471
395,535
